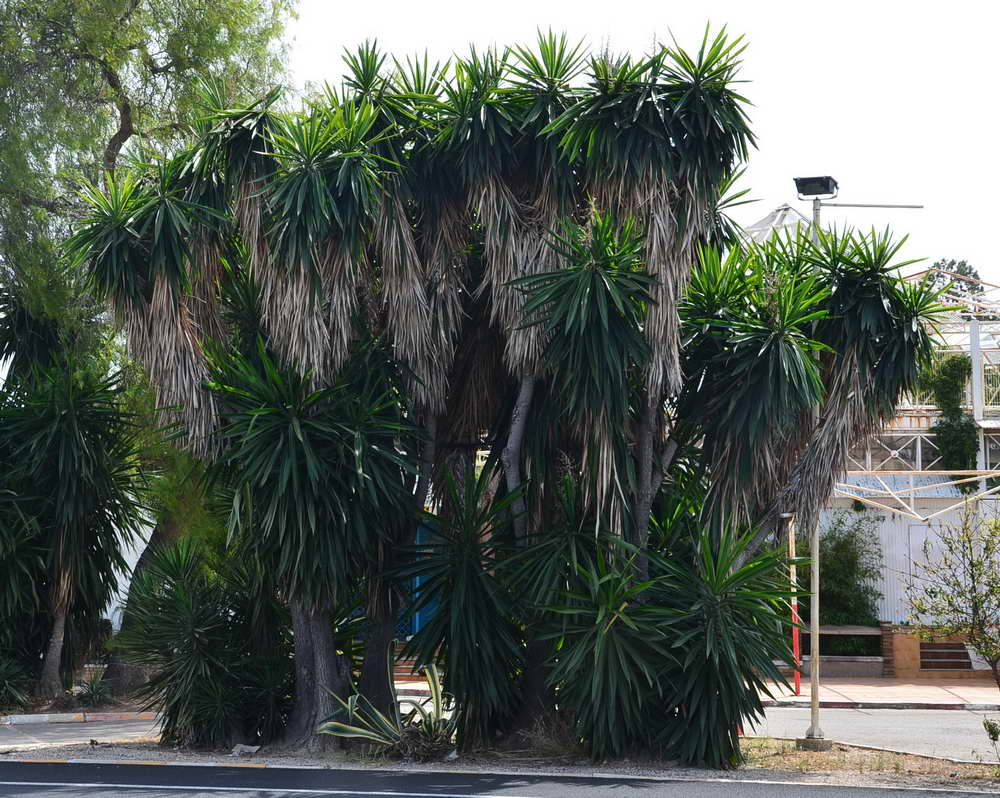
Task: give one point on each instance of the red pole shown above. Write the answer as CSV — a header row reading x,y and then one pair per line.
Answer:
x,y
796,641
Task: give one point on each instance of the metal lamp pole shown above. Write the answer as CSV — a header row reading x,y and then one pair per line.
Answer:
x,y
815,189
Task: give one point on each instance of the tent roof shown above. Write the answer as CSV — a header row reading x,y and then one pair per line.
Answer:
x,y
782,218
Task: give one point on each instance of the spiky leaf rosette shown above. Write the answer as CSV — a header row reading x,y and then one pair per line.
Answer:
x,y
402,272
879,331
752,366
592,313
479,118
135,246
321,470
322,199
441,217
656,138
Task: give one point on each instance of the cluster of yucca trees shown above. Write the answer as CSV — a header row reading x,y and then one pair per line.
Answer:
x,y
344,304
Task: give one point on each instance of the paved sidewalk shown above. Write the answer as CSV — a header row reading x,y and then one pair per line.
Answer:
x,y
37,736
855,693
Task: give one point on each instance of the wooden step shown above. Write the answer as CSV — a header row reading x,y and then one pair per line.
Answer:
x,y
944,657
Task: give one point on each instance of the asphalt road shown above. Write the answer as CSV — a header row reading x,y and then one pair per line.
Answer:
x,y
169,781
952,733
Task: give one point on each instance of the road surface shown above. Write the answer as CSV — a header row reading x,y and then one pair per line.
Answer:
x,y
957,734
952,733
41,780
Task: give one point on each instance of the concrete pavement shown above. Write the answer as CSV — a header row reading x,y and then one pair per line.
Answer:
x,y
35,736
897,693
143,781
955,735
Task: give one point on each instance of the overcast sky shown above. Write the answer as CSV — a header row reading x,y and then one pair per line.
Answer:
x,y
896,100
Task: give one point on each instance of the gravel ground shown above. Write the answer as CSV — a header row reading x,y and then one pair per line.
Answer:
x,y
846,766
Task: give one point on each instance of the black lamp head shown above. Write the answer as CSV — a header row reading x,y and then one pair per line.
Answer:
x,y
812,187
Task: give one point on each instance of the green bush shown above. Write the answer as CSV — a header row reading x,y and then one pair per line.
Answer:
x,y
729,624
850,566
217,640
94,691
13,685
608,664
956,433
674,665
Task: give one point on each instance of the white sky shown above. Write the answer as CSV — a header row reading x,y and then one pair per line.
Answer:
x,y
896,100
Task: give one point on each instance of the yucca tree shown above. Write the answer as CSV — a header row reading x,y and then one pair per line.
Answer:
x,y
316,470
657,138
796,351
74,449
879,334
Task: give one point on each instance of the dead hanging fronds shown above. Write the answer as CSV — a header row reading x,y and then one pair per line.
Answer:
x,y
404,285
163,338
207,274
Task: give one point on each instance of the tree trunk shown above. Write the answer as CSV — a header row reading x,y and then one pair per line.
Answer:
x,y
320,673
512,453
535,702
332,679
646,490
300,722
120,676
50,683
382,608
377,670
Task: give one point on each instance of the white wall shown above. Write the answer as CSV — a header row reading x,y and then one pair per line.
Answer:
x,y
902,540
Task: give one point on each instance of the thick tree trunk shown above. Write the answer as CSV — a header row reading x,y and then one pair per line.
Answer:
x,y
512,453
332,679
122,677
536,700
320,673
300,722
50,683
376,672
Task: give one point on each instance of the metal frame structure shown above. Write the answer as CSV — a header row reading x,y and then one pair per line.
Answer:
x,y
905,451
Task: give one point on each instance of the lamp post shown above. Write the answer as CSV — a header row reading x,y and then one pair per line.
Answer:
x,y
819,189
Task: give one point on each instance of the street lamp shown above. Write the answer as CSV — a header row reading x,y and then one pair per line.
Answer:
x,y
819,189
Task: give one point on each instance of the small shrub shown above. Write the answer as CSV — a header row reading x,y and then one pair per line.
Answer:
x,y
199,629
992,729
14,685
850,566
728,625
612,648
426,732
94,691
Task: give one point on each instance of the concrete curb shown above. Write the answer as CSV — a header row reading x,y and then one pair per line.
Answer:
x,y
770,703
501,771
73,717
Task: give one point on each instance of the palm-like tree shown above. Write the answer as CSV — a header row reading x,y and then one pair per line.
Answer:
x,y
74,448
796,350
315,471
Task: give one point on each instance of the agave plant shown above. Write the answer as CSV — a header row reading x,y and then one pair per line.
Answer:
x,y
425,732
